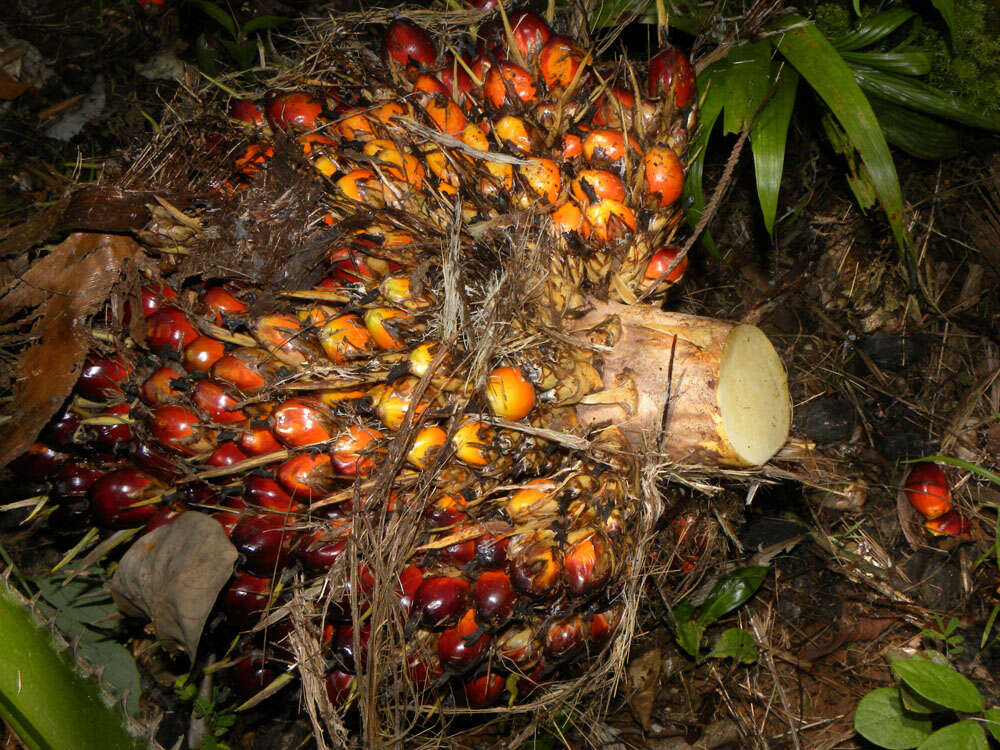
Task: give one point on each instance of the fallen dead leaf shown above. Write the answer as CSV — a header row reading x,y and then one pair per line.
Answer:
x,y
10,87
173,575
54,298
643,680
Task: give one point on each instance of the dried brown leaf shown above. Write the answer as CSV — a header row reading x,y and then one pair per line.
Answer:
x,y
644,677
56,295
173,575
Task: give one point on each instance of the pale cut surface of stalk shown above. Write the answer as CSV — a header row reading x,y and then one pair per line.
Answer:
x,y
722,384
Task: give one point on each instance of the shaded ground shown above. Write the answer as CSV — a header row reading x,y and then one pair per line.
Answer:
x,y
880,374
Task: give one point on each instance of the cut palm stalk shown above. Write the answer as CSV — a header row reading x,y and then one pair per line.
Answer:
x,y
722,385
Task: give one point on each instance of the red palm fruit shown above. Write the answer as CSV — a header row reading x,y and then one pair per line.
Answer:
x,y
267,493
228,520
542,176
385,324
150,458
493,599
587,563
264,542
101,377
158,388
593,185
409,45
664,174
306,475
446,115
422,666
461,552
472,442
246,111
535,568
513,132
662,260
152,297
73,479
615,109
455,80
202,353
428,84
113,498
254,673
108,436
345,337
221,303
245,598
951,523
510,394
534,679
300,422
343,645
519,645
569,219
295,109
425,446
440,600
610,220
482,4
282,336
169,329
409,581
927,490
39,462
226,454
353,453
507,83
179,428
491,551
446,510
216,402
245,369
604,624
559,61
164,517
394,402
484,691
249,162
480,65
459,647
537,499
566,638
61,430
671,75
604,147
320,549
530,32
339,685
349,266
257,440
572,146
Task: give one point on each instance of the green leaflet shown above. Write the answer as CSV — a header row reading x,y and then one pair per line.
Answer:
x,y
962,735
922,97
768,137
747,83
881,719
914,63
940,684
711,81
44,699
825,70
870,30
947,10
917,134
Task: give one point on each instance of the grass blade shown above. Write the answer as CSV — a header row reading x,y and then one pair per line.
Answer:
x,y
768,137
825,70
923,98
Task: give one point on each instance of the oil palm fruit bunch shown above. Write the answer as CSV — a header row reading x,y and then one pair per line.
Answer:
x,y
445,464
524,119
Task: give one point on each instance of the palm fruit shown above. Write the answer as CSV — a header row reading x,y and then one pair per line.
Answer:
x,y
301,413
